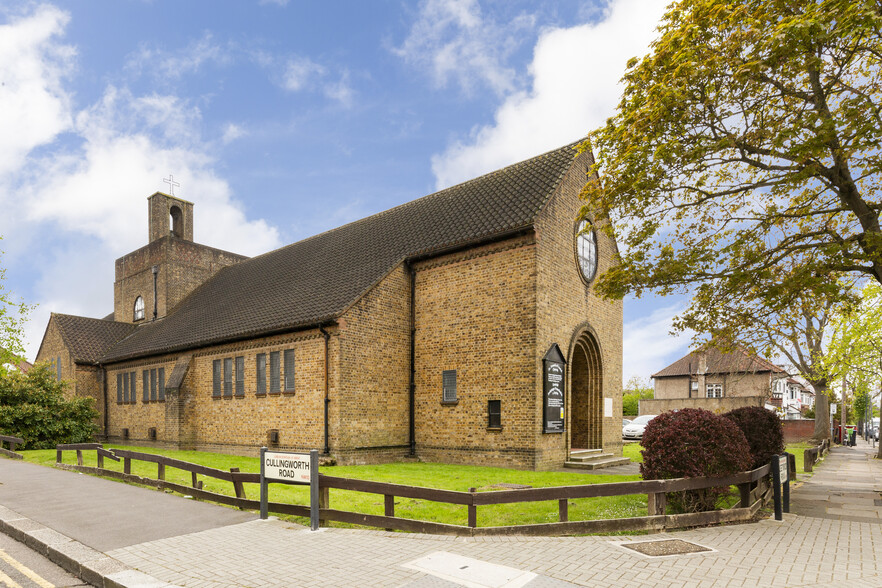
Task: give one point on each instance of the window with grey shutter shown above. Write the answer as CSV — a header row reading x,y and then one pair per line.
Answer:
x,y
153,384
289,370
145,383
448,386
119,388
494,414
261,374
161,385
216,384
240,376
274,372
133,397
228,376
125,378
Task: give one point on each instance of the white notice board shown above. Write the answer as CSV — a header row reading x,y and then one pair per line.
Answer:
x,y
293,467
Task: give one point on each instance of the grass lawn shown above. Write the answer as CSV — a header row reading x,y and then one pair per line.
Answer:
x,y
441,476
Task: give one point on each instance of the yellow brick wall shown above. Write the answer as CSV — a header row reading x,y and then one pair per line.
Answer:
x,y
53,347
565,307
371,407
194,418
475,314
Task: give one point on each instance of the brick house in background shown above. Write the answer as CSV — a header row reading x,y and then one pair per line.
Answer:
x,y
459,327
715,381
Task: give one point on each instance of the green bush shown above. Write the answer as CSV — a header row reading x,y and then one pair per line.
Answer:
x,y
692,443
631,401
763,431
33,407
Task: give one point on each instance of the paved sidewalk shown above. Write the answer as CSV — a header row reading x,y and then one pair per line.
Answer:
x,y
801,551
847,487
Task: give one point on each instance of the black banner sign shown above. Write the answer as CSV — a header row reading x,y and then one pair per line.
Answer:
x,y
554,388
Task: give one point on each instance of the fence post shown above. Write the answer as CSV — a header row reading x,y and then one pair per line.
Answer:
x,y
58,455
127,465
237,486
563,507
264,490
100,459
656,503
776,481
473,510
160,471
744,491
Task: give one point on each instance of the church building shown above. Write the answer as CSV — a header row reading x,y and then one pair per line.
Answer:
x,y
459,327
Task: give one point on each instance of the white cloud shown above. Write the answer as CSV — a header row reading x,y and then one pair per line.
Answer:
x,y
85,188
575,76
648,346
300,72
232,132
453,40
175,64
34,108
99,188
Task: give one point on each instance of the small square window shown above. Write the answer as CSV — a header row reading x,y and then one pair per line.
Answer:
x,y
714,390
494,414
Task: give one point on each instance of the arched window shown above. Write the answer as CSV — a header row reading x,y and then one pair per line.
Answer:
x,y
177,224
139,309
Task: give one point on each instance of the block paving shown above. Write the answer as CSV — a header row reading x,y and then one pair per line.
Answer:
x,y
820,543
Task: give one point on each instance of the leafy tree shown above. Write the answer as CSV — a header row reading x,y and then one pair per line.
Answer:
x,y
33,407
635,390
13,316
746,146
741,168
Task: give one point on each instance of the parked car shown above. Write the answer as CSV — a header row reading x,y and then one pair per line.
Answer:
x,y
625,423
634,429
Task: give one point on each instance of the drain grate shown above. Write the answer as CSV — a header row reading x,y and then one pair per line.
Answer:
x,y
665,547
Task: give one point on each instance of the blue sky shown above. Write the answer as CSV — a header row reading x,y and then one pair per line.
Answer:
x,y
282,119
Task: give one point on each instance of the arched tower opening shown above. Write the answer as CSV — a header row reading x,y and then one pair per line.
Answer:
x,y
176,221
586,385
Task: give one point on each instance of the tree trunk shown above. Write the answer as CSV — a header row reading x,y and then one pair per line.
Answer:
x,y
822,413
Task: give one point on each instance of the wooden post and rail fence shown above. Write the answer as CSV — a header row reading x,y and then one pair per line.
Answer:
x,y
13,442
753,486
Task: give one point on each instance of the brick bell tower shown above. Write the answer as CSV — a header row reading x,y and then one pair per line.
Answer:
x,y
169,216
152,280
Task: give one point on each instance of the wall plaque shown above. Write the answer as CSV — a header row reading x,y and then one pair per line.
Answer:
x,y
554,390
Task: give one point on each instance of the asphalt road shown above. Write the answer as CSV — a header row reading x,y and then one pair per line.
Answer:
x,y
105,514
21,567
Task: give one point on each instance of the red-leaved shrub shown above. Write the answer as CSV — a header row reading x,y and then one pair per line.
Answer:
x,y
692,443
763,431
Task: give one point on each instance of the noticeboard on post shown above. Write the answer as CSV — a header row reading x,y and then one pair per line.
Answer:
x,y
288,467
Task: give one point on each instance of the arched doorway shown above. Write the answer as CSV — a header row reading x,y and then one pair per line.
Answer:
x,y
586,383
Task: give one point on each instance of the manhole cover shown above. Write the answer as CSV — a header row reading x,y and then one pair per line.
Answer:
x,y
665,547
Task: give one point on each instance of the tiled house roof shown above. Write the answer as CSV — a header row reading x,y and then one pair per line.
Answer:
x,y
88,339
317,279
739,361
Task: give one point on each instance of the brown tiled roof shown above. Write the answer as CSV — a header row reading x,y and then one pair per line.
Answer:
x,y
315,280
739,361
88,339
